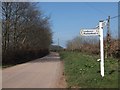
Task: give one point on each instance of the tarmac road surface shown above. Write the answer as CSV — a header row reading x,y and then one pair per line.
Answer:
x,y
40,73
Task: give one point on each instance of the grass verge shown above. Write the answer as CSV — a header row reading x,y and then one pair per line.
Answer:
x,y
83,71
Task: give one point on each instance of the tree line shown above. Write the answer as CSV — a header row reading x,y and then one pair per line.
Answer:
x,y
26,32
91,45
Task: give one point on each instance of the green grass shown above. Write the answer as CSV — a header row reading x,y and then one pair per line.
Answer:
x,y
83,71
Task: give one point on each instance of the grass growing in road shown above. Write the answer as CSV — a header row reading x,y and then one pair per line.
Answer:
x,y
83,71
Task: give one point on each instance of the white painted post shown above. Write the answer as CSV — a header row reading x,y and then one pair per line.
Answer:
x,y
101,48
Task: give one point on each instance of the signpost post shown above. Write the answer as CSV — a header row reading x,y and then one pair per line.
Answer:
x,y
101,48
94,32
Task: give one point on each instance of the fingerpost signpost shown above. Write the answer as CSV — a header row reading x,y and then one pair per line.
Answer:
x,y
97,32
89,32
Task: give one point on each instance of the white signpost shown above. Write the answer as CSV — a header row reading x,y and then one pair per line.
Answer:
x,y
89,32
101,48
94,32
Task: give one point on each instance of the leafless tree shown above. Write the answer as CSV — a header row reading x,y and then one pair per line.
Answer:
x,y
24,27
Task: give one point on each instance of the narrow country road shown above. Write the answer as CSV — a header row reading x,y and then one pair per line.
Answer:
x,y
40,73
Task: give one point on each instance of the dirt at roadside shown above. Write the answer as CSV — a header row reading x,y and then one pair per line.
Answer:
x,y
61,81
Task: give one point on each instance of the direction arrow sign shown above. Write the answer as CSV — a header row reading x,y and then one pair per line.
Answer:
x,y
89,32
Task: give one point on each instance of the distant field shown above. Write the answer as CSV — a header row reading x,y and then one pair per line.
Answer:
x,y
83,71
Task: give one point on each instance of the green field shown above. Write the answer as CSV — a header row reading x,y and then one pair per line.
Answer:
x,y
82,70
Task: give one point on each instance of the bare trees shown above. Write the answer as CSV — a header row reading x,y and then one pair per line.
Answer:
x,y
84,44
24,27
91,45
74,44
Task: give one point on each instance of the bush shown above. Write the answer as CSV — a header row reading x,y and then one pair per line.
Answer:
x,y
22,55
